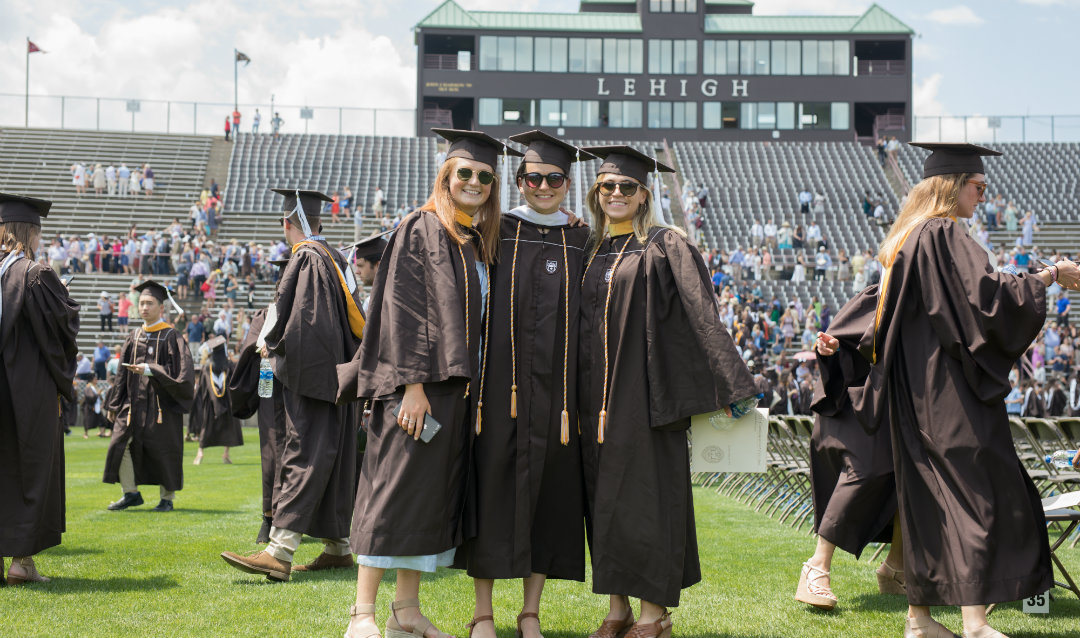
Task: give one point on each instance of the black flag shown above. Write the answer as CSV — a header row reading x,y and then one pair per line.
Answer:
x,y
242,57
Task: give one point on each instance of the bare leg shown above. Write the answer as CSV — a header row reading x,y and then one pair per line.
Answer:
x,y
226,458
533,589
619,607
822,559
650,612
483,588
408,586
198,456
367,589
974,617
895,558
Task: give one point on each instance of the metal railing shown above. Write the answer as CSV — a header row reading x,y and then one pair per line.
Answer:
x,y
446,62
882,67
198,118
996,128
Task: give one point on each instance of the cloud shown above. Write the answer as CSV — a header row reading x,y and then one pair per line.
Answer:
x,y
823,7
960,15
934,123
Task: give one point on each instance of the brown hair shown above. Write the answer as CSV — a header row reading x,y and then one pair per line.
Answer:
x,y
487,216
20,236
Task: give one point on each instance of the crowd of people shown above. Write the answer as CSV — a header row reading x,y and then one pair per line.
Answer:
x,y
111,180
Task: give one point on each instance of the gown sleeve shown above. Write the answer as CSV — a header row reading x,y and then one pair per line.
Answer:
x,y
693,366
55,327
244,379
176,382
984,319
415,332
846,368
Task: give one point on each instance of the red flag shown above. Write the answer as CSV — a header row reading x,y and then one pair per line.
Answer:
x,y
32,48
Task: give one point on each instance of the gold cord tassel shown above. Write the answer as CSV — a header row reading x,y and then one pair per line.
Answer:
x,y
513,402
479,415
603,424
564,433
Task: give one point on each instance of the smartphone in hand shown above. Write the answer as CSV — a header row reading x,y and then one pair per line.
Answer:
x,y
431,426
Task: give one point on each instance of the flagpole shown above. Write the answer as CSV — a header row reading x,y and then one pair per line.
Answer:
x,y
26,121
236,81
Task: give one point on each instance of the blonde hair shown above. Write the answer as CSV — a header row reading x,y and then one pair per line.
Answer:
x,y
20,236
441,202
644,219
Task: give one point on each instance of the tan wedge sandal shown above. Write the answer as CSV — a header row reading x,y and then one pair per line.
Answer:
x,y
363,610
890,581
811,592
394,629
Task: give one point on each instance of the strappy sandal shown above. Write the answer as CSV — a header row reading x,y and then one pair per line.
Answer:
x,y
476,621
615,628
395,630
812,593
889,580
522,616
661,628
926,627
362,610
30,573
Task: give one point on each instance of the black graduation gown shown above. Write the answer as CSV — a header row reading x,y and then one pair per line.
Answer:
x,y
37,345
217,425
149,411
411,494
529,497
309,339
669,358
973,525
245,400
1056,403
851,472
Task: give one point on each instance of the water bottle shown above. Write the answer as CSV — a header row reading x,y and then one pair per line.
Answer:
x,y
266,379
1062,459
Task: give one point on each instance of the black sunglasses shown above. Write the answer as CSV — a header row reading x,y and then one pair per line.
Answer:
x,y
535,180
628,189
485,177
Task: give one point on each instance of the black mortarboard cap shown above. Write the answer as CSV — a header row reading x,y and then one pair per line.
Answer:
x,y
154,289
624,160
281,263
16,208
371,248
215,342
545,149
474,145
948,159
311,200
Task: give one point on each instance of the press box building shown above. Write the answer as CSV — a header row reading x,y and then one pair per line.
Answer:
x,y
665,69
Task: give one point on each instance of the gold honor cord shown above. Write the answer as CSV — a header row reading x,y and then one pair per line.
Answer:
x,y
513,345
484,348
564,431
212,386
607,306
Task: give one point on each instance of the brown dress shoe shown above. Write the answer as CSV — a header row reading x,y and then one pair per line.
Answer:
x,y
260,563
326,561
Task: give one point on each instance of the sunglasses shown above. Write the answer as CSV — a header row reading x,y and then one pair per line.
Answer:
x,y
980,186
535,180
485,177
628,189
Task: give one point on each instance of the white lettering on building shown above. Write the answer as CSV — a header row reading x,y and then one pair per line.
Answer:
x,y
656,87
600,90
740,87
629,86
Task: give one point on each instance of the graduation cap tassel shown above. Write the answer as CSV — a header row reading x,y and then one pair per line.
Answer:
x,y
657,210
298,210
504,187
176,306
602,425
479,415
564,432
513,401
579,210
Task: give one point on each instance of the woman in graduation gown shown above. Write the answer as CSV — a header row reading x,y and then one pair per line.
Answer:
x,y
218,426
653,353
38,325
851,473
948,328
529,501
421,355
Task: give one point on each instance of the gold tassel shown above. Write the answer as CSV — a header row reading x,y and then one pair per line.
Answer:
x,y
603,424
564,434
479,413
513,402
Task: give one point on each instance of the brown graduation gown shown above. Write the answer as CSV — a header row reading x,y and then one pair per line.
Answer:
x,y
411,494
529,497
310,338
218,426
669,358
245,400
853,484
37,344
149,411
951,328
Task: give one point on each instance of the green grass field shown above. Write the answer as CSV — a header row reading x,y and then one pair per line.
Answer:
x,y
142,574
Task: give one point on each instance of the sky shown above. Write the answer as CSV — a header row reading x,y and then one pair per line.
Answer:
x,y
991,57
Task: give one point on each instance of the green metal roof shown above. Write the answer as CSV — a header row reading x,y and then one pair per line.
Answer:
x,y
875,20
737,3
450,15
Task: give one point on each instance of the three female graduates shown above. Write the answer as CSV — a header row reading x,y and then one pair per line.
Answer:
x,y
38,325
946,330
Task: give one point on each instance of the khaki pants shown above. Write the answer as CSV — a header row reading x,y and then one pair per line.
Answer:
x,y
127,477
283,544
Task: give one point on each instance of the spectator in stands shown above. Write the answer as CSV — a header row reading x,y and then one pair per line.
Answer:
x,y
58,257
101,357
819,204
799,274
893,148
378,201
78,177
784,235
196,332
767,263
228,128
135,182
1010,217
798,238
1063,309
822,264
990,213
813,236
736,262
110,179
843,266
255,119
346,202
124,307
770,231
880,145
275,124
703,196
805,197
757,233
1028,228
879,213
148,180
335,207
665,204
123,177
105,311
867,208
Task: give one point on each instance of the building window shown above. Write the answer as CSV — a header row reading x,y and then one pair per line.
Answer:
x,y
577,55
543,54
489,53
809,57
785,116
673,115
673,6
506,53
594,55
673,56
839,115
622,56
785,57
826,57
622,114
550,113
842,57
823,116
551,55
720,57
489,111
524,54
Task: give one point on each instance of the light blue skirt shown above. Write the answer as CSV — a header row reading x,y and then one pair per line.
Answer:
x,y
426,563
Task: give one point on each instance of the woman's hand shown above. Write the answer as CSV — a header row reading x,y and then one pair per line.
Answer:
x,y
572,220
414,406
826,345
1068,274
